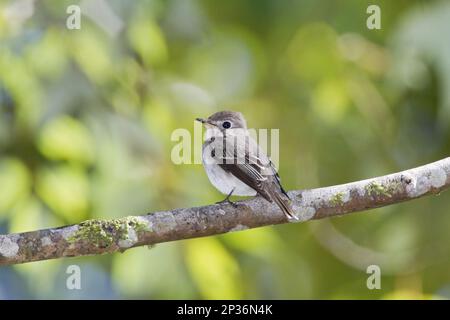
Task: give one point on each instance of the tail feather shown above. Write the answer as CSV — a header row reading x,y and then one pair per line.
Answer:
x,y
283,204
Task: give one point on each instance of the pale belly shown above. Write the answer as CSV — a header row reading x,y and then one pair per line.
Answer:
x,y
225,182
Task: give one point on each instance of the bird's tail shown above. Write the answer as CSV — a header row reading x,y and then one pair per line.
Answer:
x,y
284,204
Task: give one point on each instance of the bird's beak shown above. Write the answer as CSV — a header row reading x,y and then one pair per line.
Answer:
x,y
206,122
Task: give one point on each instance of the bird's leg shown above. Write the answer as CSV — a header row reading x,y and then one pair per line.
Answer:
x,y
227,199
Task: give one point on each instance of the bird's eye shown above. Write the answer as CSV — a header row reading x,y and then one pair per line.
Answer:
x,y
226,124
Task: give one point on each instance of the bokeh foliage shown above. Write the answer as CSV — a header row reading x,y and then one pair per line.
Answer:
x,y
86,118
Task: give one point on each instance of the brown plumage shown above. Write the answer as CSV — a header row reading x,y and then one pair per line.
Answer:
x,y
236,153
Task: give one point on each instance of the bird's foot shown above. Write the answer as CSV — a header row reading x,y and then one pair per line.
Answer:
x,y
227,200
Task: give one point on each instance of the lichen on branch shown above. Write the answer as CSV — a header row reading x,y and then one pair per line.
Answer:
x,y
105,236
104,233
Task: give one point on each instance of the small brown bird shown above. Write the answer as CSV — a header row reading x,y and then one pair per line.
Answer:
x,y
235,164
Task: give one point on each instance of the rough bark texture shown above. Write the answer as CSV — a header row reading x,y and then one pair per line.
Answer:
x,y
105,236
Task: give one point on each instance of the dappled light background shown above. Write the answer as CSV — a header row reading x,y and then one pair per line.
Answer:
x,y
86,118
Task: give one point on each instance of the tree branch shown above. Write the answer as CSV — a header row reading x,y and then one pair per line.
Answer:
x,y
94,237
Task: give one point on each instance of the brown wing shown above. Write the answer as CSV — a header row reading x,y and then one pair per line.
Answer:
x,y
278,180
250,165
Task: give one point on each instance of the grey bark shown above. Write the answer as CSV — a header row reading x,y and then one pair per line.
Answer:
x,y
95,237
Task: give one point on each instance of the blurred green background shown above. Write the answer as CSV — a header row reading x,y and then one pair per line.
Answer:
x,y
86,118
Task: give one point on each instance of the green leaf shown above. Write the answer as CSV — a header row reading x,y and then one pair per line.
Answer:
x,y
92,53
65,189
147,39
15,183
214,269
157,271
66,138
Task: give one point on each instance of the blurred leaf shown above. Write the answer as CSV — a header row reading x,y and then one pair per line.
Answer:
x,y
191,96
237,74
65,189
48,57
399,235
313,53
14,183
40,276
29,215
214,269
92,53
418,40
410,295
262,242
155,272
330,100
158,117
23,86
147,39
66,138
367,55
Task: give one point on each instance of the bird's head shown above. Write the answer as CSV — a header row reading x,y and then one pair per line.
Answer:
x,y
224,120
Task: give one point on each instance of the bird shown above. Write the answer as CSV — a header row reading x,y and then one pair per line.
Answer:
x,y
236,165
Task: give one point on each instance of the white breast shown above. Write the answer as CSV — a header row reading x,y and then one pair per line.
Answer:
x,y
222,180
